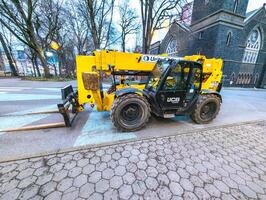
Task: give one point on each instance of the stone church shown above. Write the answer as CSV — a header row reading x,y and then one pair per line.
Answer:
x,y
223,29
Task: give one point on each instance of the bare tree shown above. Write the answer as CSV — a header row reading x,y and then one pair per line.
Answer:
x,y
76,29
5,41
99,18
18,18
129,22
153,14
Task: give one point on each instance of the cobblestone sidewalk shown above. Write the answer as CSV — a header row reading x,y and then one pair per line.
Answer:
x,y
225,163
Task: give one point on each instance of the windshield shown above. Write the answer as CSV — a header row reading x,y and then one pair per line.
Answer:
x,y
157,72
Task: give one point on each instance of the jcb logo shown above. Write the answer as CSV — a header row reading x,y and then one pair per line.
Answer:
x,y
174,100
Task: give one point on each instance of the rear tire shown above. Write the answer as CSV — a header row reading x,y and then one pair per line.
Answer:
x,y
207,108
130,112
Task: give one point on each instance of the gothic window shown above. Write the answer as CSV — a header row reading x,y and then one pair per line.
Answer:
x,y
252,47
200,35
228,39
172,49
232,78
256,78
235,6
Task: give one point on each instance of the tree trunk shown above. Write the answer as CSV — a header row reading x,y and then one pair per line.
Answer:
x,y
37,66
9,57
93,25
40,55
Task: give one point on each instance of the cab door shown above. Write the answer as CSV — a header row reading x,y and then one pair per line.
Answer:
x,y
172,91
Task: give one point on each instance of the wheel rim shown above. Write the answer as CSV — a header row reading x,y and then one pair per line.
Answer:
x,y
131,114
208,111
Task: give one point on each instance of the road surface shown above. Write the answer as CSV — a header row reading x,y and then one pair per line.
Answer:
x,y
17,98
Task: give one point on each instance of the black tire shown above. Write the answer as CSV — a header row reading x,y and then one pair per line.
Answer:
x,y
130,112
207,108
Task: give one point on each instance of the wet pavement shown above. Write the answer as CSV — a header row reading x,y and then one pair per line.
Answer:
x,y
18,98
223,163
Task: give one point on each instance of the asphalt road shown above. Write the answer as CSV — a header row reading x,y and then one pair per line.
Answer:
x,y
18,98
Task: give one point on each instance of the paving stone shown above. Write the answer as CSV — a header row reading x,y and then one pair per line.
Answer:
x,y
27,181
74,172
176,189
247,191
70,165
120,170
190,196
151,195
183,173
139,187
152,171
44,179
140,175
116,182
80,180
129,178
29,192
196,181
212,190
95,177
70,195
101,166
101,186
88,169
186,184
173,176
65,184
47,188
108,173
56,195
11,195
96,196
7,186
142,165
125,191
111,194
25,173
59,175
86,190
164,193
202,194
255,187
163,179
151,183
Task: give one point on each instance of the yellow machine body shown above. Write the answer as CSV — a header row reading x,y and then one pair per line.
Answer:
x,y
91,69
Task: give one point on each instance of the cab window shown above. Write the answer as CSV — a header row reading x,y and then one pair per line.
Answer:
x,y
177,79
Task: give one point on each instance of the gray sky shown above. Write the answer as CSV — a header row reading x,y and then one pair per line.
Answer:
x,y
254,4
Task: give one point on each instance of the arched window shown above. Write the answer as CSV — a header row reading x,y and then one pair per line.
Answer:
x,y
232,78
252,47
172,49
256,78
235,6
228,39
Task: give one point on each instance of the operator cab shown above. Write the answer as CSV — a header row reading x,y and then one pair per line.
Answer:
x,y
174,86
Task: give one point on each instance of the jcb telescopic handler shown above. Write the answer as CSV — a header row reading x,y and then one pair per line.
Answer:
x,y
174,86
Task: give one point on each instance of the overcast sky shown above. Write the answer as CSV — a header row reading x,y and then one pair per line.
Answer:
x,y
254,4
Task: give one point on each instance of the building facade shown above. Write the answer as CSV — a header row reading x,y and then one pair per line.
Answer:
x,y
223,29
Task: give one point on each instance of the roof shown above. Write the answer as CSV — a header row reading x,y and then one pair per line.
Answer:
x,y
252,13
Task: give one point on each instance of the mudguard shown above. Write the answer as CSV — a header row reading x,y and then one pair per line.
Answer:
x,y
212,92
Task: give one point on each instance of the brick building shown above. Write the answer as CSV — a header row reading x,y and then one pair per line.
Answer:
x,y
223,29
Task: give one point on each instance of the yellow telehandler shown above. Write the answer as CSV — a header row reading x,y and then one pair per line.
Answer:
x,y
171,86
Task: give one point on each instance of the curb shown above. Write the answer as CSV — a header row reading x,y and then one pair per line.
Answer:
x,y
128,141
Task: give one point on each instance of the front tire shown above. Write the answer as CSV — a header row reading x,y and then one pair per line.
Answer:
x,y
130,112
207,108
